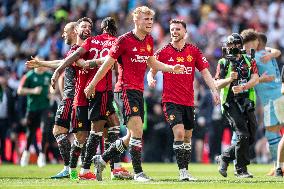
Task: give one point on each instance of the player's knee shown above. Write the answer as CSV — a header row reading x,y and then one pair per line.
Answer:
x,y
137,133
179,135
179,132
113,120
81,138
59,130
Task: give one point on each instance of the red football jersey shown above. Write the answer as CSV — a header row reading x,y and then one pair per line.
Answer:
x,y
132,55
178,88
98,47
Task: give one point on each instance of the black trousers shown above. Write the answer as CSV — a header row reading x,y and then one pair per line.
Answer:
x,y
242,119
4,126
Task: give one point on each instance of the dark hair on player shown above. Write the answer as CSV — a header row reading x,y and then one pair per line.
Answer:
x,y
262,38
178,21
108,24
85,19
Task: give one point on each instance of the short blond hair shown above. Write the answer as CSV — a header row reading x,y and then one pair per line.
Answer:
x,y
144,10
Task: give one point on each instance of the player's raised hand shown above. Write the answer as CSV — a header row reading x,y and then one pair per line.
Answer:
x,y
89,91
178,68
33,63
54,78
266,56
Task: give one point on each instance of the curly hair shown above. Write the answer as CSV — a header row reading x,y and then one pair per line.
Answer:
x,y
108,24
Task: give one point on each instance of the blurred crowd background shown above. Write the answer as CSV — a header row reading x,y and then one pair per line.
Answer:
x,y
34,27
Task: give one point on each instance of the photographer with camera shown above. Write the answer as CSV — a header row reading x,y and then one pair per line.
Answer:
x,y
236,76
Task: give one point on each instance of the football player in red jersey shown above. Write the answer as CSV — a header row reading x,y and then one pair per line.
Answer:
x,y
178,91
133,51
100,106
80,123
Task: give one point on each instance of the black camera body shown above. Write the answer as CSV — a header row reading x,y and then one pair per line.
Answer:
x,y
231,54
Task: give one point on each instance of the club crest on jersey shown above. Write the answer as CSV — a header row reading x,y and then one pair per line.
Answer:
x,y
80,124
172,117
107,113
149,48
180,59
171,59
134,49
135,109
189,58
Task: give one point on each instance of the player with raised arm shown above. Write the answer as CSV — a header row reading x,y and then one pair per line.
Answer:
x,y
100,105
77,33
178,91
133,51
96,47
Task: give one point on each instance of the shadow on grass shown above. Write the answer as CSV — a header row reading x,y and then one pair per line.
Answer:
x,y
27,178
222,181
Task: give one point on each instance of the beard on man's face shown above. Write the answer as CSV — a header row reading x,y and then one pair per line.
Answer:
x,y
83,37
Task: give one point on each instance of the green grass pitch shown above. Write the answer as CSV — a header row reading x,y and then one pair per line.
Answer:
x,y
165,176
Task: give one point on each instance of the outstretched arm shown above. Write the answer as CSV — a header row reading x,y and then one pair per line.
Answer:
x,y
151,78
67,61
87,64
35,63
106,66
210,82
269,54
251,83
266,78
157,65
71,58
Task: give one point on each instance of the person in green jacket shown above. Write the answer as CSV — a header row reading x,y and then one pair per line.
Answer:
x,y
35,85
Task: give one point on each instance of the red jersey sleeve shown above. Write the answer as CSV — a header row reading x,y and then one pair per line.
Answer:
x,y
157,55
87,44
118,48
254,69
201,61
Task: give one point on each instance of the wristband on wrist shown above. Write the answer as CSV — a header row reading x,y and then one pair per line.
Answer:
x,y
93,64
